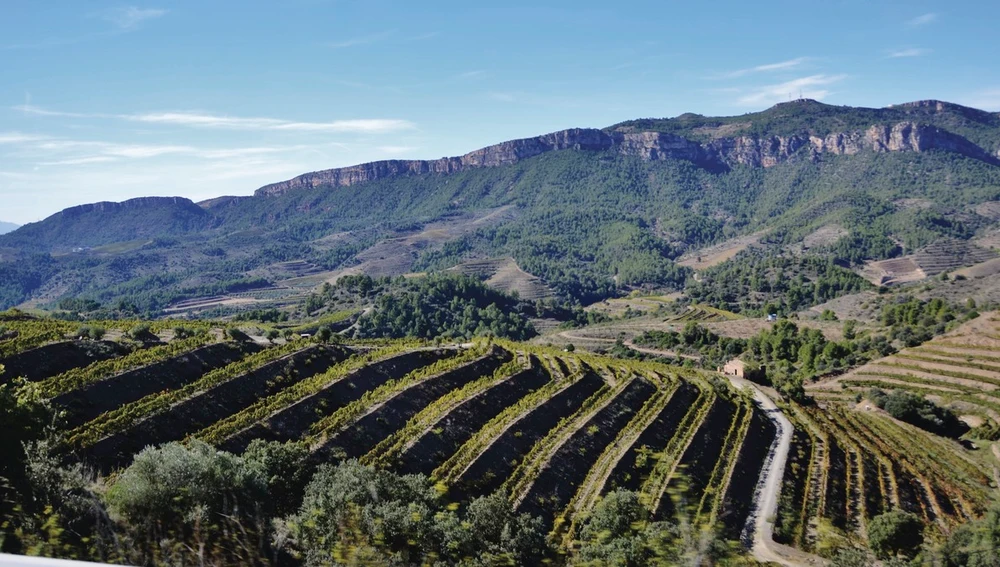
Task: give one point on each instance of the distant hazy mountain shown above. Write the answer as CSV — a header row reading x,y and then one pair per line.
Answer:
x,y
6,227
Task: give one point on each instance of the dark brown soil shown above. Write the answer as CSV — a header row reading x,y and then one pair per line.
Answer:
x,y
491,468
699,459
752,456
836,486
206,408
638,462
293,421
46,361
556,484
391,416
91,401
449,434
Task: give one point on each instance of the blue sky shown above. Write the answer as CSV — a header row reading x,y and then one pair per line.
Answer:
x,y
107,100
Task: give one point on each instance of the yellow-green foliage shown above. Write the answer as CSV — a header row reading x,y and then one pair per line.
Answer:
x,y
33,333
394,445
590,490
522,476
80,377
330,424
453,467
715,488
220,431
653,489
327,319
127,415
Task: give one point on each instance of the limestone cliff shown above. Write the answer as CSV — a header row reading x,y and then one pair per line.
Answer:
x,y
718,153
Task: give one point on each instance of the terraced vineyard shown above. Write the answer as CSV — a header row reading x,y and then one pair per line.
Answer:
x,y
554,431
847,466
960,369
850,461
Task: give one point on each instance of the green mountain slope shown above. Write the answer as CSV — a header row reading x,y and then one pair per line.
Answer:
x,y
591,212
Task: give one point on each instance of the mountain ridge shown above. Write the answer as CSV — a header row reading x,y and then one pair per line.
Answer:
x,y
718,153
592,213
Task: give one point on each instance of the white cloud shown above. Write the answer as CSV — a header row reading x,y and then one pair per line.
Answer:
x,y
17,138
908,52
129,17
471,74
361,40
922,20
79,161
768,67
32,109
206,120
812,87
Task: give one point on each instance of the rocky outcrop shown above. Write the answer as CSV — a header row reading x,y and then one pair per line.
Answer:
x,y
141,203
492,156
720,153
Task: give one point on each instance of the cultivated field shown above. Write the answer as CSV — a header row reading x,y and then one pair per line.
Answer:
x,y
960,369
553,430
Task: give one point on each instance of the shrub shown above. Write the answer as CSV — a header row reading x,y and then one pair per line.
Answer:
x,y
91,332
351,507
919,411
895,534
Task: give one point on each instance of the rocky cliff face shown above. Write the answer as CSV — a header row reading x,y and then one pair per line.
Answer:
x,y
492,156
720,153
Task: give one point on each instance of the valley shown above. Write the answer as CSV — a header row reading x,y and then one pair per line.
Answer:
x,y
775,330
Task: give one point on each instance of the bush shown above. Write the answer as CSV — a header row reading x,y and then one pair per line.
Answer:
x,y
285,469
619,532
167,489
350,509
919,411
142,332
895,534
91,332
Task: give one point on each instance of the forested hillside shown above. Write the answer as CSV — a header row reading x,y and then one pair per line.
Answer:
x,y
592,213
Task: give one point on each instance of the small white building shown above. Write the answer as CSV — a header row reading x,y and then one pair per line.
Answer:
x,y
734,367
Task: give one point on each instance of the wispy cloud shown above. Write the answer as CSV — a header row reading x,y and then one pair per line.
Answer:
x,y
361,40
813,86
922,20
907,52
129,17
64,151
374,125
18,138
125,19
768,67
208,120
471,74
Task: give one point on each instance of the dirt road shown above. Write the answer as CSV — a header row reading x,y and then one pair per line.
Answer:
x,y
758,533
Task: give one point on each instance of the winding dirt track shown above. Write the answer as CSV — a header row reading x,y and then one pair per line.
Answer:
x,y
758,533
